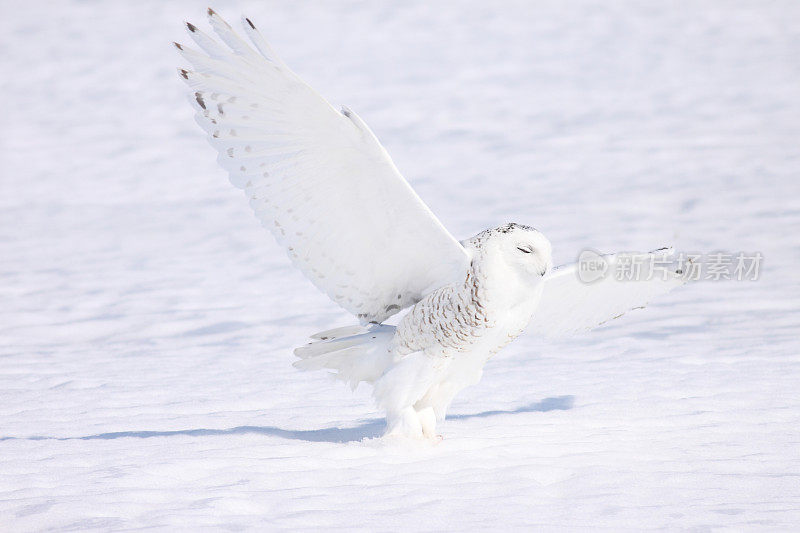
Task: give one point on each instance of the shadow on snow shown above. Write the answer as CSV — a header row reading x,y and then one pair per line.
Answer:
x,y
366,430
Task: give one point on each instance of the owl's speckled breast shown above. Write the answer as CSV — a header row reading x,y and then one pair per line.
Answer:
x,y
461,318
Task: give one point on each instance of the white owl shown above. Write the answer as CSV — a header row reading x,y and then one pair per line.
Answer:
x,y
321,182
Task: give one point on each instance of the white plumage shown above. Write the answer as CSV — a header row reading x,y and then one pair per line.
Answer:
x,y
569,305
320,181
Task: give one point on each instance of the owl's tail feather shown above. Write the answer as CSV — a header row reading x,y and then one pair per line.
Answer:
x,y
355,354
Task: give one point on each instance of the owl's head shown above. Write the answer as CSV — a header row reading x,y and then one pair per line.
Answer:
x,y
513,248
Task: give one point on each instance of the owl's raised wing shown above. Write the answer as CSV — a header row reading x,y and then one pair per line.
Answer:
x,y
584,295
317,178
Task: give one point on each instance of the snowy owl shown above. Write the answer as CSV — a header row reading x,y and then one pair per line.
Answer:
x,y
320,181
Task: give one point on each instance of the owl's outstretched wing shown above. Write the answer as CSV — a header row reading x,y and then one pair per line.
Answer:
x,y
317,178
575,300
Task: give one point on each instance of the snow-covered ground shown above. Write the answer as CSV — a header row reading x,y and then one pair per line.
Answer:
x,y
147,320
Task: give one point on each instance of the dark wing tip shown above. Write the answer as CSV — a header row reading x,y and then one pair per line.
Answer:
x,y
184,73
177,45
192,28
250,22
211,12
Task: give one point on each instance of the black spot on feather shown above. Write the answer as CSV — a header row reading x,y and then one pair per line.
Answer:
x,y
185,74
249,22
177,45
192,28
199,98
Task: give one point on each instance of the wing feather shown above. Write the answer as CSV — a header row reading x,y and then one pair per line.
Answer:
x,y
570,305
317,178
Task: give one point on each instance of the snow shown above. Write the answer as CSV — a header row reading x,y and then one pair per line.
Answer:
x,y
147,320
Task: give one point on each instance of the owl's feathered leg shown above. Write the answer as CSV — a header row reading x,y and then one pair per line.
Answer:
x,y
427,419
400,388
404,423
